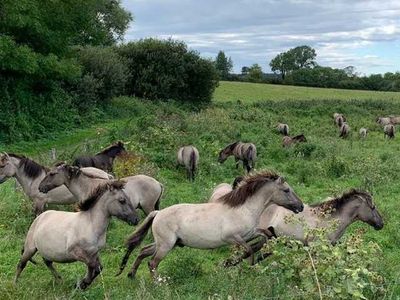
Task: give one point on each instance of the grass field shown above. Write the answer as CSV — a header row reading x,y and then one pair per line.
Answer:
x,y
253,92
155,131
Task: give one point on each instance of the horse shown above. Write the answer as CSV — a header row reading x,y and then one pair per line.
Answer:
x,y
143,191
231,220
66,237
393,120
103,160
288,141
352,206
188,156
389,131
283,128
339,119
29,174
363,132
344,130
245,152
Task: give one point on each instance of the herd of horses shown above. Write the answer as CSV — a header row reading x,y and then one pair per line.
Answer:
x,y
246,213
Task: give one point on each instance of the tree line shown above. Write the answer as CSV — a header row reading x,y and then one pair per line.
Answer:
x,y
298,66
61,62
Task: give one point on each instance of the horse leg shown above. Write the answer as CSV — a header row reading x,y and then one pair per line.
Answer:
x,y
159,254
145,252
26,256
49,265
39,205
238,240
94,269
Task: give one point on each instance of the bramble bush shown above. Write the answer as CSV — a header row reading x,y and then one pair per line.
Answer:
x,y
325,271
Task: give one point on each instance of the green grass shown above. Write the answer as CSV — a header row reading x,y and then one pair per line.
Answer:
x,y
157,130
253,92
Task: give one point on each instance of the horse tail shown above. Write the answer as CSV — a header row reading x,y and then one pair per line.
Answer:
x,y
157,205
286,130
136,238
192,163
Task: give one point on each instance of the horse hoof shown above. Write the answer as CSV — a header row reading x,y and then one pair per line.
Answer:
x,y
82,286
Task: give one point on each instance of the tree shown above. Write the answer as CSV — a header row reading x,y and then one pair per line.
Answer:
x,y
223,64
255,73
245,70
294,59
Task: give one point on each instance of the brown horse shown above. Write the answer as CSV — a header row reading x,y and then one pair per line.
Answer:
x,y
288,141
103,160
245,152
231,220
188,156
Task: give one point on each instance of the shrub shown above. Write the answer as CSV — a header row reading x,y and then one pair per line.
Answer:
x,y
105,75
321,270
166,69
336,167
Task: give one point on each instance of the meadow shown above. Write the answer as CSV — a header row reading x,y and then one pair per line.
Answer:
x,y
153,132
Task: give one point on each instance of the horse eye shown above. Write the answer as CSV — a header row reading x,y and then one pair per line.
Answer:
x,y
122,200
286,190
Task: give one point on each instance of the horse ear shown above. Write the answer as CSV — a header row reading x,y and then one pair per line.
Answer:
x,y
6,155
73,171
280,180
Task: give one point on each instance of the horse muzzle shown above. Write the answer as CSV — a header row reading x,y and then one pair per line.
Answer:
x,y
298,208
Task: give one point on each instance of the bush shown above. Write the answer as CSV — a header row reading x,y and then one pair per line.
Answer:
x,y
166,69
105,75
321,270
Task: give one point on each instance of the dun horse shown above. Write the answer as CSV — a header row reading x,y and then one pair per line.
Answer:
x,y
339,119
68,237
103,160
389,131
363,132
283,128
232,220
352,206
388,120
29,174
245,152
188,157
288,141
344,130
143,191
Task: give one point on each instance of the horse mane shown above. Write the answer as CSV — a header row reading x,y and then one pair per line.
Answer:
x,y
99,192
112,150
31,168
339,202
247,188
232,146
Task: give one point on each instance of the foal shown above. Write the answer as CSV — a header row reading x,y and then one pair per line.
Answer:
x,y
188,156
232,220
103,160
245,152
77,236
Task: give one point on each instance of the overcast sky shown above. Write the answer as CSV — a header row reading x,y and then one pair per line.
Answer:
x,y
364,34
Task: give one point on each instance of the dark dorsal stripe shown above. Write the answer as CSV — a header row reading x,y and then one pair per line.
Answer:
x,y
98,193
247,188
